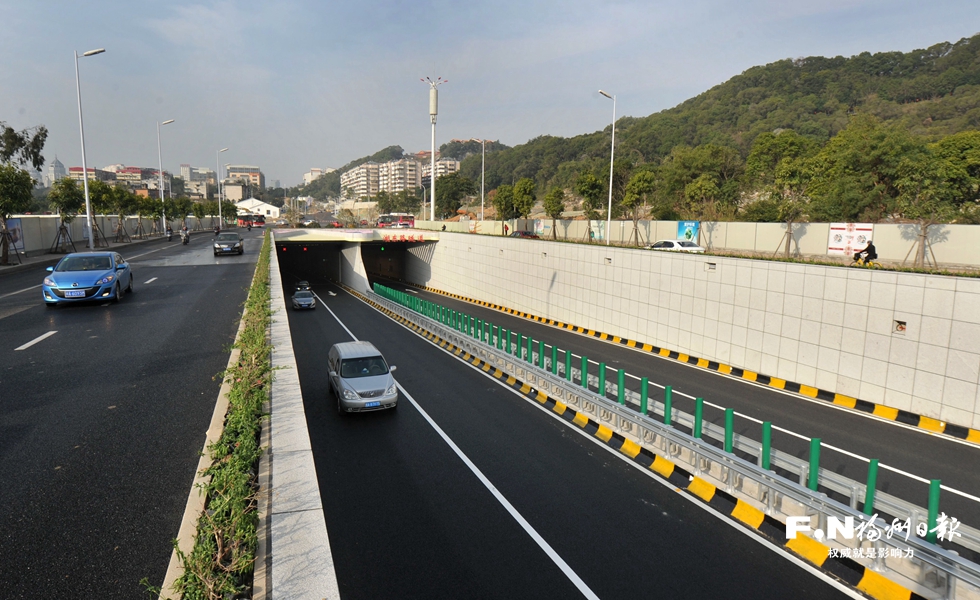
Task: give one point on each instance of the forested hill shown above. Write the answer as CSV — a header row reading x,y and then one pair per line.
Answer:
x,y
932,93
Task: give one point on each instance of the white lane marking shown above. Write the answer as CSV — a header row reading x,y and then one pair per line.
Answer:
x,y
331,293
39,338
150,252
545,546
730,522
33,287
793,433
410,291
150,280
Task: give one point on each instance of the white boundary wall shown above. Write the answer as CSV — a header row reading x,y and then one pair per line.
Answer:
x,y
828,327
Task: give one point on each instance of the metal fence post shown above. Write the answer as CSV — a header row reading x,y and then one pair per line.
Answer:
x,y
585,372
644,394
668,403
568,365
554,360
602,379
541,354
814,475
764,458
621,386
869,493
933,510
729,428
698,417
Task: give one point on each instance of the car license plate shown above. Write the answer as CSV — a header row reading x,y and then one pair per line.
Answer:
x,y
75,294
372,404
228,249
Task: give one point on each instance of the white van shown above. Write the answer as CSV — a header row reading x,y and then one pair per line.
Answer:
x,y
360,378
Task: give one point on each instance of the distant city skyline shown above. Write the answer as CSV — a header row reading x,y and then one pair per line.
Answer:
x,y
296,85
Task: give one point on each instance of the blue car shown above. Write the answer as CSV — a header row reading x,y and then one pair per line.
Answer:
x,y
84,276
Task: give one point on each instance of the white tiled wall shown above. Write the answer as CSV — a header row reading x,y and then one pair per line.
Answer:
x,y
829,327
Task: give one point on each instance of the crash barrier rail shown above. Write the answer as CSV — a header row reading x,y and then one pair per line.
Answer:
x,y
716,453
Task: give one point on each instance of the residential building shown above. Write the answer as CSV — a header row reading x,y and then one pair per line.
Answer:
x,y
233,192
397,175
444,166
362,181
251,174
76,174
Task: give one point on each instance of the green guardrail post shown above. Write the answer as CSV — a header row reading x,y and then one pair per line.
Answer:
x,y
530,350
934,486
585,372
487,332
814,476
541,362
506,334
602,379
729,428
520,347
621,386
554,360
764,458
869,493
568,365
668,404
644,394
698,417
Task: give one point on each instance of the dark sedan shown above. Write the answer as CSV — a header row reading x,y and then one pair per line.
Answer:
x,y
304,299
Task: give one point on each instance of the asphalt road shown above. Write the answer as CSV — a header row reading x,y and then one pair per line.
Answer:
x,y
912,451
101,424
408,519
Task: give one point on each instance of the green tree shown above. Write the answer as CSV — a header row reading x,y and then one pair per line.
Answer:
x,y
524,196
503,203
450,191
590,188
122,203
386,202
638,191
702,181
182,207
924,194
68,198
26,145
16,186
199,211
99,197
554,206
855,174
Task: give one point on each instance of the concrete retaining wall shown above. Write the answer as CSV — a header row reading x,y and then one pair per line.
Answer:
x,y
907,341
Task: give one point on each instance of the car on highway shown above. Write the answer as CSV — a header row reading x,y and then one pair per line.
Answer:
x,y
360,379
304,299
302,285
530,235
676,246
85,276
229,243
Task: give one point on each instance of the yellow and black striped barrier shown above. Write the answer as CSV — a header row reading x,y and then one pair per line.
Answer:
x,y
844,568
878,410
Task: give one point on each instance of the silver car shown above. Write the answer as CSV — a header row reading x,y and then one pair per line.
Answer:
x,y
360,378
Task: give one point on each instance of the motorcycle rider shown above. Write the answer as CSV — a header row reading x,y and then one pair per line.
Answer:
x,y
170,233
185,235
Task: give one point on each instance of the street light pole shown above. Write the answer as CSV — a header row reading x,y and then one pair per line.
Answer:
x,y
483,176
433,113
81,128
612,155
217,180
163,212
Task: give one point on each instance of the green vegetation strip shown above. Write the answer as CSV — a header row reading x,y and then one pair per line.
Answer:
x,y
221,563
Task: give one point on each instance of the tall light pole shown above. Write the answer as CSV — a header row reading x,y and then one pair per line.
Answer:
x,y
81,128
483,170
612,155
217,180
163,205
433,113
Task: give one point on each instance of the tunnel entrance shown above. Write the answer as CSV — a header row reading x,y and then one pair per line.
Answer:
x,y
312,261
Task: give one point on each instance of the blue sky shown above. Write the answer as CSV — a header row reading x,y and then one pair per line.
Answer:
x,y
299,84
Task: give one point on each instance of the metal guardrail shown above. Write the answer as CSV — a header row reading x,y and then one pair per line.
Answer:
x,y
932,570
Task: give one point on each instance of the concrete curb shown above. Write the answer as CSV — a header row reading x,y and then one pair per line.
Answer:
x,y
301,563
879,410
816,553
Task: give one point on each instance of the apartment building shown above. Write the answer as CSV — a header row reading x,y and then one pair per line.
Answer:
x,y
251,174
93,174
362,180
315,173
444,166
397,175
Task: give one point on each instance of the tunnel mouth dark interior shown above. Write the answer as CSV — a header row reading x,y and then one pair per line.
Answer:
x,y
320,262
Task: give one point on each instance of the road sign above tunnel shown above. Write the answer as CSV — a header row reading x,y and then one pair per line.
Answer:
x,y
355,235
